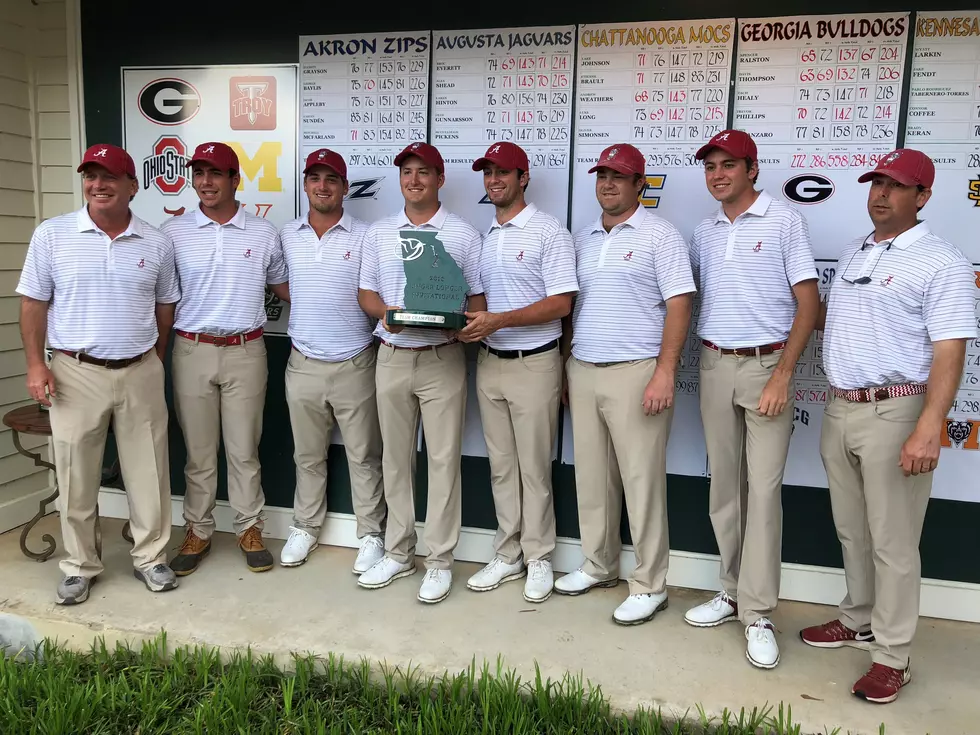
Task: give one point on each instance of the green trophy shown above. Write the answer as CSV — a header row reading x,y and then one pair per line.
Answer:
x,y
435,289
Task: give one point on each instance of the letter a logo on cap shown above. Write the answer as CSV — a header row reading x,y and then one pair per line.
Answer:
x,y
495,149
209,149
102,152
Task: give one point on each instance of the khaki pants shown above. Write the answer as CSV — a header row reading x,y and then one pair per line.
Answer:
x,y
618,447
878,512
519,401
747,455
87,398
431,385
317,394
219,394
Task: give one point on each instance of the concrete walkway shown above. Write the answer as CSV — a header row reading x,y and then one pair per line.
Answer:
x,y
318,607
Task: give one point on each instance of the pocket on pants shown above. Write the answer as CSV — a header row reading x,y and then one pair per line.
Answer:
x,y
366,358
904,410
709,358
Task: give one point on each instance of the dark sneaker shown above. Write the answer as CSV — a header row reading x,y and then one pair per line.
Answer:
x,y
191,554
159,578
836,635
74,590
881,684
257,557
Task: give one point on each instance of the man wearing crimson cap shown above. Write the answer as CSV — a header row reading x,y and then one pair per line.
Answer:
x,y
420,376
225,257
628,329
330,374
898,317
106,365
528,271
759,301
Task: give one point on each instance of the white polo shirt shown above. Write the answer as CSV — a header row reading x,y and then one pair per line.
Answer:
x,y
625,277
383,271
325,320
102,292
223,271
881,333
746,271
525,260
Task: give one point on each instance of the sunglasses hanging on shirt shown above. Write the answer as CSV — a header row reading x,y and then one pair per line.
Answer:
x,y
864,279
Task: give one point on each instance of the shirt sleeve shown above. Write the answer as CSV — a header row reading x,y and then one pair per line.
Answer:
x,y
797,251
36,279
368,279
949,302
672,265
558,263
471,266
168,285
276,273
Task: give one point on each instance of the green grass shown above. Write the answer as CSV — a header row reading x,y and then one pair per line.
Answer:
x,y
123,691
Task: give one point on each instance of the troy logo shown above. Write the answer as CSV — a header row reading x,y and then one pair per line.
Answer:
x,y
347,255
961,434
248,253
758,247
165,168
520,255
628,256
140,264
253,103
887,281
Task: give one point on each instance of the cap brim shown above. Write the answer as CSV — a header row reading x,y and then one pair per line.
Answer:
x,y
312,166
704,151
615,166
480,163
110,169
898,176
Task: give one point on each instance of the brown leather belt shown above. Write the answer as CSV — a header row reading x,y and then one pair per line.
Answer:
x,y
746,351
102,362
423,348
218,340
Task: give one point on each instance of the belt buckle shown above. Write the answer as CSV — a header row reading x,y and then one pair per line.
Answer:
x,y
220,341
738,352
880,394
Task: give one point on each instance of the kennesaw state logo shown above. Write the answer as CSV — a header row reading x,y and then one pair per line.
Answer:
x,y
165,168
974,195
364,189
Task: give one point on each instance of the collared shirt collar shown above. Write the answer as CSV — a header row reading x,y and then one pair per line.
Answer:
x,y
634,221
202,220
85,224
905,239
437,220
758,209
519,220
343,223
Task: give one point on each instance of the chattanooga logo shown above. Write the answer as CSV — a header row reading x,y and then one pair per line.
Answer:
x,y
364,189
169,101
808,189
649,197
165,168
252,102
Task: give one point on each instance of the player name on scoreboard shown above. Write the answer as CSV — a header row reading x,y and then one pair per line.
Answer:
x,y
369,92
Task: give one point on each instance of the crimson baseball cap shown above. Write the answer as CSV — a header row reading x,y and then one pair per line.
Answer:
x,y
507,155
907,166
219,154
330,159
736,142
429,154
111,157
621,157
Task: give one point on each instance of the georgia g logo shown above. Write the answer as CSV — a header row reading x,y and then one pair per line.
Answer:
x,y
410,248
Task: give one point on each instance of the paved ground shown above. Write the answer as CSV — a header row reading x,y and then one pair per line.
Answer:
x,y
318,607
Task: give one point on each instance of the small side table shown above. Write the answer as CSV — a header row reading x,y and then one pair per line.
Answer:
x,y
35,420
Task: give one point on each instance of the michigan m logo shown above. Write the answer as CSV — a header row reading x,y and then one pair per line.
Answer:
x,y
264,162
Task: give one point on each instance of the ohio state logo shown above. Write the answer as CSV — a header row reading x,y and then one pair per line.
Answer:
x,y
166,168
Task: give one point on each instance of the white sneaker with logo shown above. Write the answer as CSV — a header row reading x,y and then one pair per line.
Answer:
x,y
298,547
385,572
762,650
495,574
578,583
436,586
719,609
540,580
371,551
637,609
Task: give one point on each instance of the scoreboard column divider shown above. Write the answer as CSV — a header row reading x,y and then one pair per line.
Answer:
x,y
904,96
732,77
428,117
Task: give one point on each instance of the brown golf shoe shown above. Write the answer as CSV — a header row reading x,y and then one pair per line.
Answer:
x,y
257,557
191,554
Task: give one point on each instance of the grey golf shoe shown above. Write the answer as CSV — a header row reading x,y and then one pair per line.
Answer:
x,y
74,590
158,578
